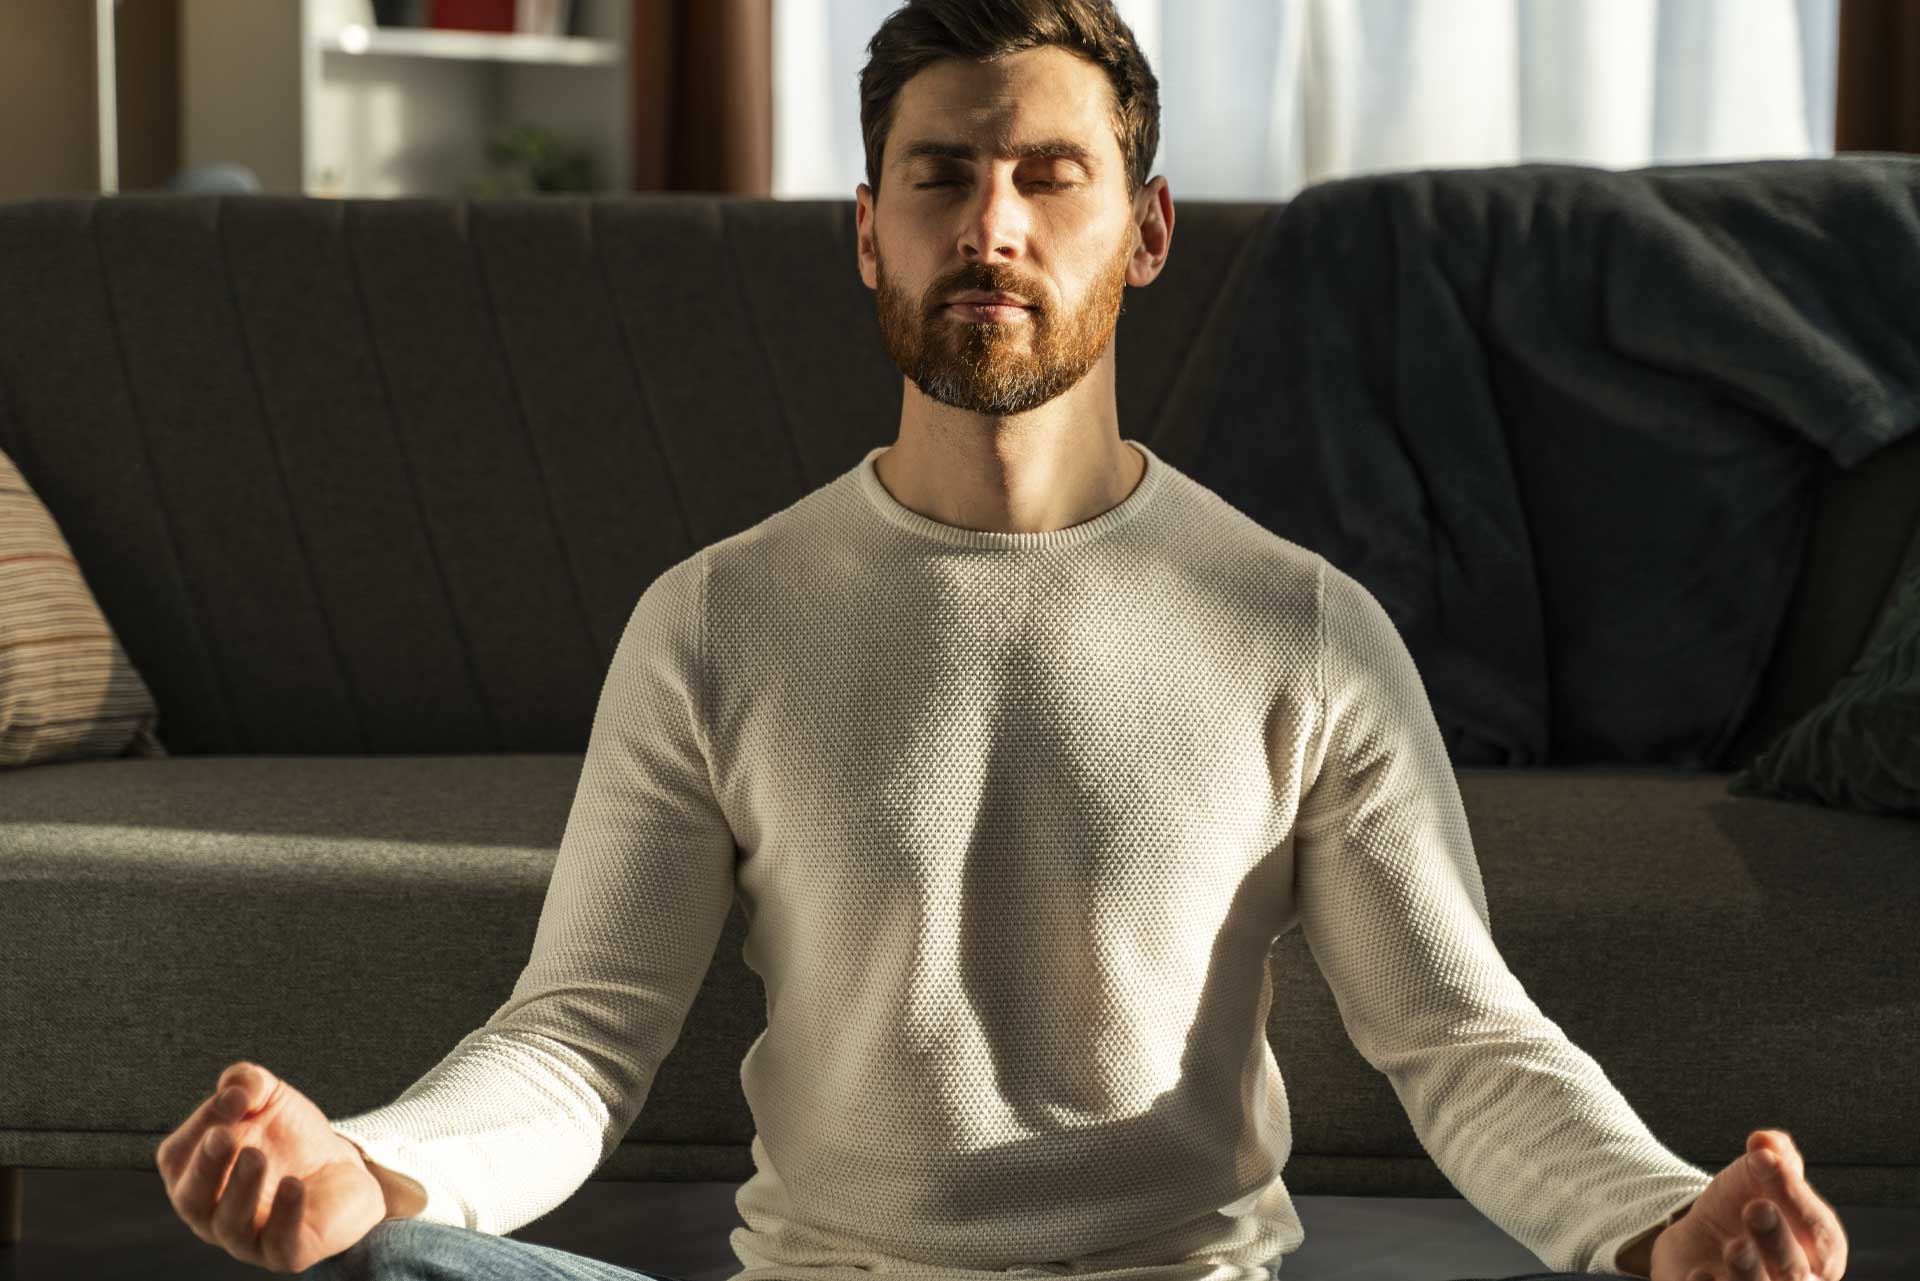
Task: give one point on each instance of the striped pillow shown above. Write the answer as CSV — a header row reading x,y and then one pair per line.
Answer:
x,y
67,689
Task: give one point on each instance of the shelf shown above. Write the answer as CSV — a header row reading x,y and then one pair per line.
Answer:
x,y
353,40
316,98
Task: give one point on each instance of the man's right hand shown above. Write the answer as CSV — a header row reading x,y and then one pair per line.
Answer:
x,y
302,1193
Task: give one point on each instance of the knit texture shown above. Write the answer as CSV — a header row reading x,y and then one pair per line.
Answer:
x,y
1018,819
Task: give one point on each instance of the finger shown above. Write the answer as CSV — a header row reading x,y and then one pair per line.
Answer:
x,y
1743,1259
233,1220
242,1088
279,1242
178,1149
1810,1218
194,1195
1779,1249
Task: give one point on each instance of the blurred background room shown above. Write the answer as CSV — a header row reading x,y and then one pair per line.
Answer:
x,y
380,98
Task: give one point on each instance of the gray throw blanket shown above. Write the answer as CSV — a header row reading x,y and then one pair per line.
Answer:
x,y
1567,424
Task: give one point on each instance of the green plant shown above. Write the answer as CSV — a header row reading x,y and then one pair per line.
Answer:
x,y
527,158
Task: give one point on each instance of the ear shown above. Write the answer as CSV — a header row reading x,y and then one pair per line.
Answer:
x,y
863,213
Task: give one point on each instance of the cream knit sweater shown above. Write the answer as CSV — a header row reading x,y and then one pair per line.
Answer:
x,y
1015,820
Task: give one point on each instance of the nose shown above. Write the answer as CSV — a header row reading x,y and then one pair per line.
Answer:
x,y
997,216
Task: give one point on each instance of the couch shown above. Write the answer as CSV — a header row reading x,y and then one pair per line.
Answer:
x,y
367,490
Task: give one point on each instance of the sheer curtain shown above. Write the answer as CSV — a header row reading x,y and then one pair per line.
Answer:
x,y
1259,98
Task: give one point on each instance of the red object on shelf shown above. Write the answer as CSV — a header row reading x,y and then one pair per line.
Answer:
x,y
473,15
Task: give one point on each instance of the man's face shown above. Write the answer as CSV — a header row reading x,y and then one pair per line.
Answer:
x,y
1047,229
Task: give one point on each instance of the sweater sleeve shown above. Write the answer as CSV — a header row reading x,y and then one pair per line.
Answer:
x,y
1523,1122
522,1110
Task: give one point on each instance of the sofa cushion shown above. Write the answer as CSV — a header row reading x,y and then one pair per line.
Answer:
x,y
1860,748
67,689
387,476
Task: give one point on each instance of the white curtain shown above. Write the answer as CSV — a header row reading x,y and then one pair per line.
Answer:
x,y
1259,98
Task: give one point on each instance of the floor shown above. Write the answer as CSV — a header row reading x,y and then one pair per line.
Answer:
x,y
109,1225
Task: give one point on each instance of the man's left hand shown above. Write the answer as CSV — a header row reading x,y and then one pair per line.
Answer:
x,y
1755,1222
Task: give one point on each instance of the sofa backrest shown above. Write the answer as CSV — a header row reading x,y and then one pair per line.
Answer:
x,y
388,476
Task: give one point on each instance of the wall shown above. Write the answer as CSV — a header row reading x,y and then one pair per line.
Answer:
x,y
48,140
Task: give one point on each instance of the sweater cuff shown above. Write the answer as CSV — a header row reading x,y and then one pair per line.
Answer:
x,y
1622,1246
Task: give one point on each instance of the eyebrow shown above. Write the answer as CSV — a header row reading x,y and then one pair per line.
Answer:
x,y
1052,148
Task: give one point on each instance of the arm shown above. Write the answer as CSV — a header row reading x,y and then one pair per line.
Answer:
x,y
1389,894
517,1115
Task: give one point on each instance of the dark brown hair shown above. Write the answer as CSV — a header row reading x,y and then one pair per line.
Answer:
x,y
920,32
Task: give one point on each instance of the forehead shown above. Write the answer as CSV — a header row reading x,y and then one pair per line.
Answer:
x,y
1045,101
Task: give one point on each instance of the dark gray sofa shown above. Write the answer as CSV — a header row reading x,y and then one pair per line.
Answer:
x,y
368,490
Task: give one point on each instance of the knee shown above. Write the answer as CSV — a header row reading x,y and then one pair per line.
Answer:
x,y
394,1250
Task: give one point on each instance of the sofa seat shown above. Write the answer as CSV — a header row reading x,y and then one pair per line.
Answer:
x,y
212,908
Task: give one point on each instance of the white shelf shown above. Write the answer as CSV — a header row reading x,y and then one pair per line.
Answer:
x,y
315,97
471,46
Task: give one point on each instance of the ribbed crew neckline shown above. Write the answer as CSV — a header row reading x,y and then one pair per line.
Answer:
x,y
890,509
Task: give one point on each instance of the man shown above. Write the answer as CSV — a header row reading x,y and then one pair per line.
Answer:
x,y
1030,748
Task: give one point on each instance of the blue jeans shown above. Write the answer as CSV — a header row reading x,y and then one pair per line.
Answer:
x,y
409,1250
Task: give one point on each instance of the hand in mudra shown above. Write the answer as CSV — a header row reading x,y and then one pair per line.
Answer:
x,y
1759,1220
258,1171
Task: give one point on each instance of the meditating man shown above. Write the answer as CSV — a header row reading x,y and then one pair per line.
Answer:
x,y
1020,750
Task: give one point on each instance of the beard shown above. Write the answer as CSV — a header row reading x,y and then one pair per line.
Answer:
x,y
991,367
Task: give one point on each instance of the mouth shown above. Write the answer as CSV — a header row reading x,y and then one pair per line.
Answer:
x,y
1001,312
